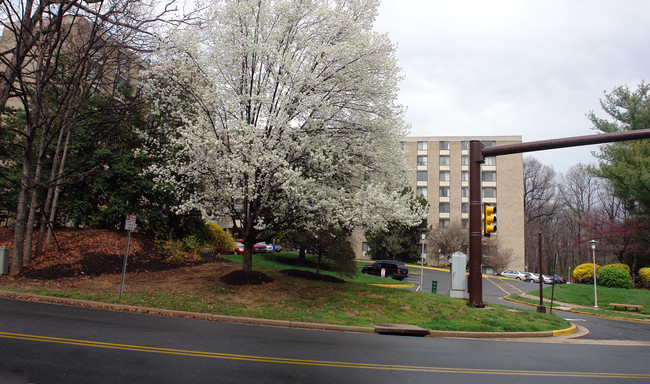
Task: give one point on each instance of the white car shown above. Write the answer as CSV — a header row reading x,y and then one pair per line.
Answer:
x,y
515,274
547,279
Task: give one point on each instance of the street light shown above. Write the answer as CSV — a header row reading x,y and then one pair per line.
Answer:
x,y
422,256
593,254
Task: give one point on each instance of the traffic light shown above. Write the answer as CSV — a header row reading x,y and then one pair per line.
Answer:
x,y
489,219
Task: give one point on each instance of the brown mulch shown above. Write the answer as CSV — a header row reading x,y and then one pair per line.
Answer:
x,y
95,252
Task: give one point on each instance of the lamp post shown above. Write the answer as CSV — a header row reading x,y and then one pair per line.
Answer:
x,y
593,255
422,256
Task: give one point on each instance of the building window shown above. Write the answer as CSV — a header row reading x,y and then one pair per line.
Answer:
x,y
464,223
423,248
404,175
443,223
423,176
423,160
445,176
464,145
489,192
489,143
422,145
365,247
444,191
492,160
464,160
464,208
464,176
444,160
403,144
464,192
444,207
489,176
422,191
444,145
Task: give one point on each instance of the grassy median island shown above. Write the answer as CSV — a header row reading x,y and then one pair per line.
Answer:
x,y
355,301
583,294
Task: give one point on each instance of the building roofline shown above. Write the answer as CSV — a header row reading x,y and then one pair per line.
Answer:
x,y
463,138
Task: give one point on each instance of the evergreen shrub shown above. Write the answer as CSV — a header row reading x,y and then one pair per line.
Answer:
x,y
614,277
619,265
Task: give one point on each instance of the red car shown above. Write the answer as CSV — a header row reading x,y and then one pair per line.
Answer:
x,y
239,248
257,248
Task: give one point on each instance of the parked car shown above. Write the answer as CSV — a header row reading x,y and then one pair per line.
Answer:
x,y
515,274
531,277
393,269
239,248
547,279
557,279
261,247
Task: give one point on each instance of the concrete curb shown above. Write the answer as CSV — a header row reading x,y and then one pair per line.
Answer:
x,y
265,322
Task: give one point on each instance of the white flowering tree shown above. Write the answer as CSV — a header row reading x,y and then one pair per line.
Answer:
x,y
288,116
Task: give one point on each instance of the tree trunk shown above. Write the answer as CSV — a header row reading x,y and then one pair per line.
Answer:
x,y
302,260
57,189
21,210
33,205
50,195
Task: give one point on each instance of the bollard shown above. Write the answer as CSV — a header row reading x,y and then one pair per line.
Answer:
x,y
4,260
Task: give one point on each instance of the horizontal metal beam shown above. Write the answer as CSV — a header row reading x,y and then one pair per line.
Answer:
x,y
566,142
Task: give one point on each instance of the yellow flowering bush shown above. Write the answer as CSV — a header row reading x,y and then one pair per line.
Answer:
x,y
644,275
585,271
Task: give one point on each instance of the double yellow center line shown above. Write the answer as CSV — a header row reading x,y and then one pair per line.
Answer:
x,y
336,364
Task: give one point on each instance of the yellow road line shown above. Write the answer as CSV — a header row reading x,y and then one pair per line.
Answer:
x,y
337,364
501,280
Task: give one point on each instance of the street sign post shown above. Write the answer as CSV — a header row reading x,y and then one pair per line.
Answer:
x,y
129,225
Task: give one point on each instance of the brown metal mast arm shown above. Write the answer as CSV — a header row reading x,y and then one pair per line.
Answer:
x,y
566,142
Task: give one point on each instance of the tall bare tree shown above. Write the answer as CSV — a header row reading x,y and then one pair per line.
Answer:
x,y
55,54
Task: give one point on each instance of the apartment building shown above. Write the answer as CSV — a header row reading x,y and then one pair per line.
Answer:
x,y
438,169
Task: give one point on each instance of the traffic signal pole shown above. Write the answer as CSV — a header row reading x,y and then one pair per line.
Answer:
x,y
475,282
476,156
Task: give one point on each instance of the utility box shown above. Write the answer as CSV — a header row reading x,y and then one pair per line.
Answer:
x,y
434,286
458,288
4,260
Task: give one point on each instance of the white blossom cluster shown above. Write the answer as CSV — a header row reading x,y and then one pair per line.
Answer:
x,y
286,115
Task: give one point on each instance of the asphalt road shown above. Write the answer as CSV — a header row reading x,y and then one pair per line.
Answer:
x,y
495,288
45,343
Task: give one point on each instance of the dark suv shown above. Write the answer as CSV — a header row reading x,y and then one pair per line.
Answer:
x,y
393,269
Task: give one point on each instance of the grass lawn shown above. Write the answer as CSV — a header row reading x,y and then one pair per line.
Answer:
x,y
583,294
358,301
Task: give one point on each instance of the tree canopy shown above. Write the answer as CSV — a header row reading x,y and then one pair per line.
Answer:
x,y
289,115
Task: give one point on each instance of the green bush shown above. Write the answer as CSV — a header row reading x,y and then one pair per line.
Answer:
x,y
614,277
644,276
619,265
585,271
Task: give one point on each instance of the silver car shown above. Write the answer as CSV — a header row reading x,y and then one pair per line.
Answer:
x,y
513,273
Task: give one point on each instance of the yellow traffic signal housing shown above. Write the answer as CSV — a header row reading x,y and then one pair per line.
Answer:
x,y
489,219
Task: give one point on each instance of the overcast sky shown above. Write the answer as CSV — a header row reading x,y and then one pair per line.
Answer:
x,y
528,68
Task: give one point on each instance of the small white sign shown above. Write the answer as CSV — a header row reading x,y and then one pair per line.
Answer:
x,y
130,223
383,272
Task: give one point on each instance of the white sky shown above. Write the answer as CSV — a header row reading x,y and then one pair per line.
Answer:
x,y
519,67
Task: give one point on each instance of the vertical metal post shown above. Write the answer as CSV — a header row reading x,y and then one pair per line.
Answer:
x,y
475,283
540,308
593,255
553,281
126,256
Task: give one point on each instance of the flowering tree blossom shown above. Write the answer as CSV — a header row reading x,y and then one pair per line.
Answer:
x,y
287,116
